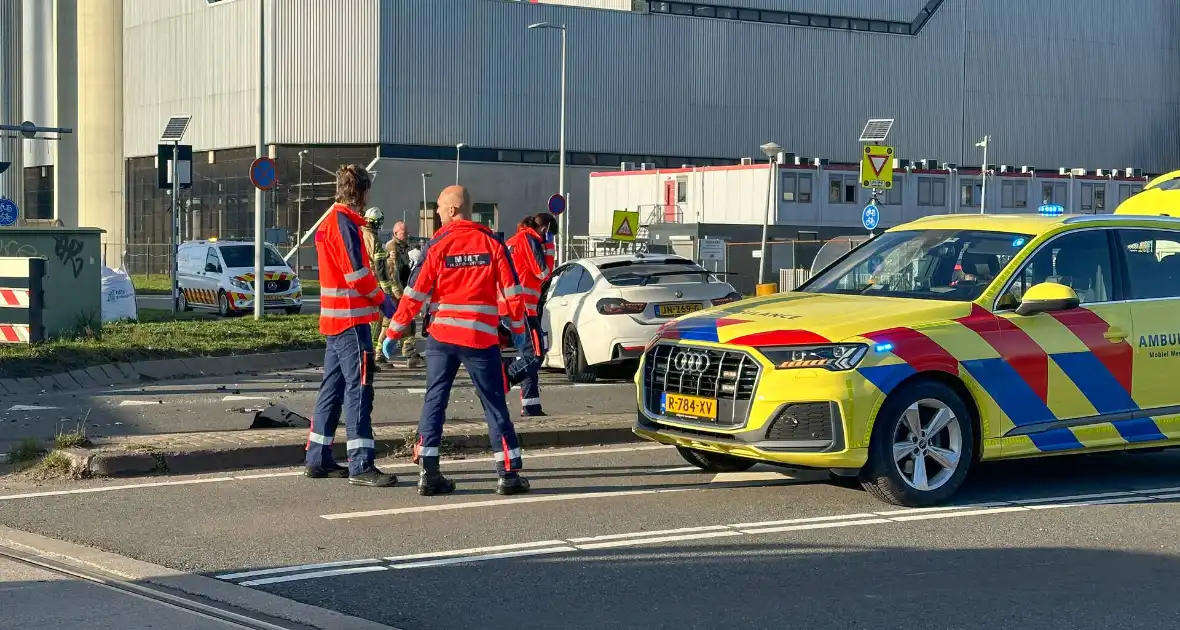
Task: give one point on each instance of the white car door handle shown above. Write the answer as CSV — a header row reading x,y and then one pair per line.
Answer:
x,y
563,303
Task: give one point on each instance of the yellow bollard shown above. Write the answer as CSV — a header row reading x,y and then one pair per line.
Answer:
x,y
769,288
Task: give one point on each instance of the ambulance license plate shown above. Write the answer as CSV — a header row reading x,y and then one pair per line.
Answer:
x,y
689,406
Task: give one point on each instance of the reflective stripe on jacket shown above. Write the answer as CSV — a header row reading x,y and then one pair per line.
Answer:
x,y
349,295
527,252
550,255
463,271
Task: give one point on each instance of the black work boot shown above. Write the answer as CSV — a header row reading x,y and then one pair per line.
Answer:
x,y
373,478
533,411
514,484
431,481
335,471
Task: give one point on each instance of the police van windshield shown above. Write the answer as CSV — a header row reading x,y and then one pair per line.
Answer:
x,y
243,256
954,265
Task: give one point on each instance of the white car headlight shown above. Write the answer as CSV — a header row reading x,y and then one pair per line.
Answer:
x,y
835,357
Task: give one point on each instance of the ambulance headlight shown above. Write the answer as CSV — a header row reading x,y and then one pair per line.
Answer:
x,y
835,357
241,284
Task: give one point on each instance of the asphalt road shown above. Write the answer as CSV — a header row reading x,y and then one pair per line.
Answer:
x,y
219,404
311,305
628,537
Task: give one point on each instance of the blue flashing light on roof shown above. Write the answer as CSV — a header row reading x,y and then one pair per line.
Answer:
x,y
1019,242
1051,210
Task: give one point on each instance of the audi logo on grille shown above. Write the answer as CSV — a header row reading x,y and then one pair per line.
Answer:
x,y
691,361
272,286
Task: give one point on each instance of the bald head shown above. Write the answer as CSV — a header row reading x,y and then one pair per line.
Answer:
x,y
399,231
454,202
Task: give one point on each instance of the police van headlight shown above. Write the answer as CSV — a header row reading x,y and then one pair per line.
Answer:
x,y
835,357
241,284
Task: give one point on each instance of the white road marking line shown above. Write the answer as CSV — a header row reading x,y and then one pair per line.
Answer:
x,y
310,576
927,517
812,519
1050,506
236,398
30,408
1157,490
493,556
1175,495
1076,497
682,530
751,476
475,550
947,508
660,539
681,469
495,503
301,567
830,525
297,473
57,493
137,403
415,390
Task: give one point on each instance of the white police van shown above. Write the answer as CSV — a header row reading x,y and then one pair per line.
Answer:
x,y
219,275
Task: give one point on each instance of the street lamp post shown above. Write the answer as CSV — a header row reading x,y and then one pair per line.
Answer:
x,y
457,147
983,174
259,196
561,220
771,150
299,213
425,206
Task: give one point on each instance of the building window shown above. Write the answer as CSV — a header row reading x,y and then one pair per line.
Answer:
x,y
38,202
1126,191
1093,198
970,194
932,192
1014,194
681,191
796,187
1055,193
894,196
842,188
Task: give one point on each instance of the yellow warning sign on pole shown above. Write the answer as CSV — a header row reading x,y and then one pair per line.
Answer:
x,y
876,167
624,225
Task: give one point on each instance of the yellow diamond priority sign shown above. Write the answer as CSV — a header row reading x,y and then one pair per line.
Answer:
x,y
876,167
624,225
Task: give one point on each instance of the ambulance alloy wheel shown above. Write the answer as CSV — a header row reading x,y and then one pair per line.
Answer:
x,y
576,368
715,462
223,307
184,305
922,446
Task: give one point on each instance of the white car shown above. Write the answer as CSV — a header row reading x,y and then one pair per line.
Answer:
x,y
598,311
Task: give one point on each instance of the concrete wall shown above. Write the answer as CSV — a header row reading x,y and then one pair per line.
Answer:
x,y
100,125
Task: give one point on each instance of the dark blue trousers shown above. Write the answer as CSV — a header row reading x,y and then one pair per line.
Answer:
x,y
487,373
347,388
530,387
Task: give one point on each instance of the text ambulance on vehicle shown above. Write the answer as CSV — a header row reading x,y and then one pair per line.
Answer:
x,y
938,344
219,275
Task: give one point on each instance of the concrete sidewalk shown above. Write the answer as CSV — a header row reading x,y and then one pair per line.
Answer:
x,y
187,453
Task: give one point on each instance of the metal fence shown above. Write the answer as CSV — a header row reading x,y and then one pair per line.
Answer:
x,y
790,263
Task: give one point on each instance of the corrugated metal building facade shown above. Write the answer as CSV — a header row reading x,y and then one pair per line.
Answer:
x,y
1075,83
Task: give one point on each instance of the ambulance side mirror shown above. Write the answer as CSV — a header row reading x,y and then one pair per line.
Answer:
x,y
1048,297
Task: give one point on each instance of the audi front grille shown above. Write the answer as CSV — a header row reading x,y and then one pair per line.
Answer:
x,y
728,376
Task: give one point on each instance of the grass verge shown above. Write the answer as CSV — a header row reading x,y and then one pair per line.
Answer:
x,y
153,284
55,465
159,335
28,450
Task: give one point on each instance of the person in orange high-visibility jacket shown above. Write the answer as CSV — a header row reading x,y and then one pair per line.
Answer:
x,y
463,272
546,226
350,301
527,249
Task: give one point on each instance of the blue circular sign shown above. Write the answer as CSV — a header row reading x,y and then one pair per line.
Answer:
x,y
870,217
262,173
8,212
556,204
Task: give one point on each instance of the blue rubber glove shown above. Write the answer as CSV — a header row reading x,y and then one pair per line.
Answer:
x,y
388,307
389,348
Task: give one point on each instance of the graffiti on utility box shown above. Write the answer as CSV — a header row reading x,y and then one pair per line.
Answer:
x,y
68,251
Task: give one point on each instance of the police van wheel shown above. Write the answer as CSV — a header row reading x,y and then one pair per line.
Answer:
x,y
576,368
715,462
922,446
223,307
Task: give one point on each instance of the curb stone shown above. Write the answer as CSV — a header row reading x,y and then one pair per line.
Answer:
x,y
102,462
112,374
